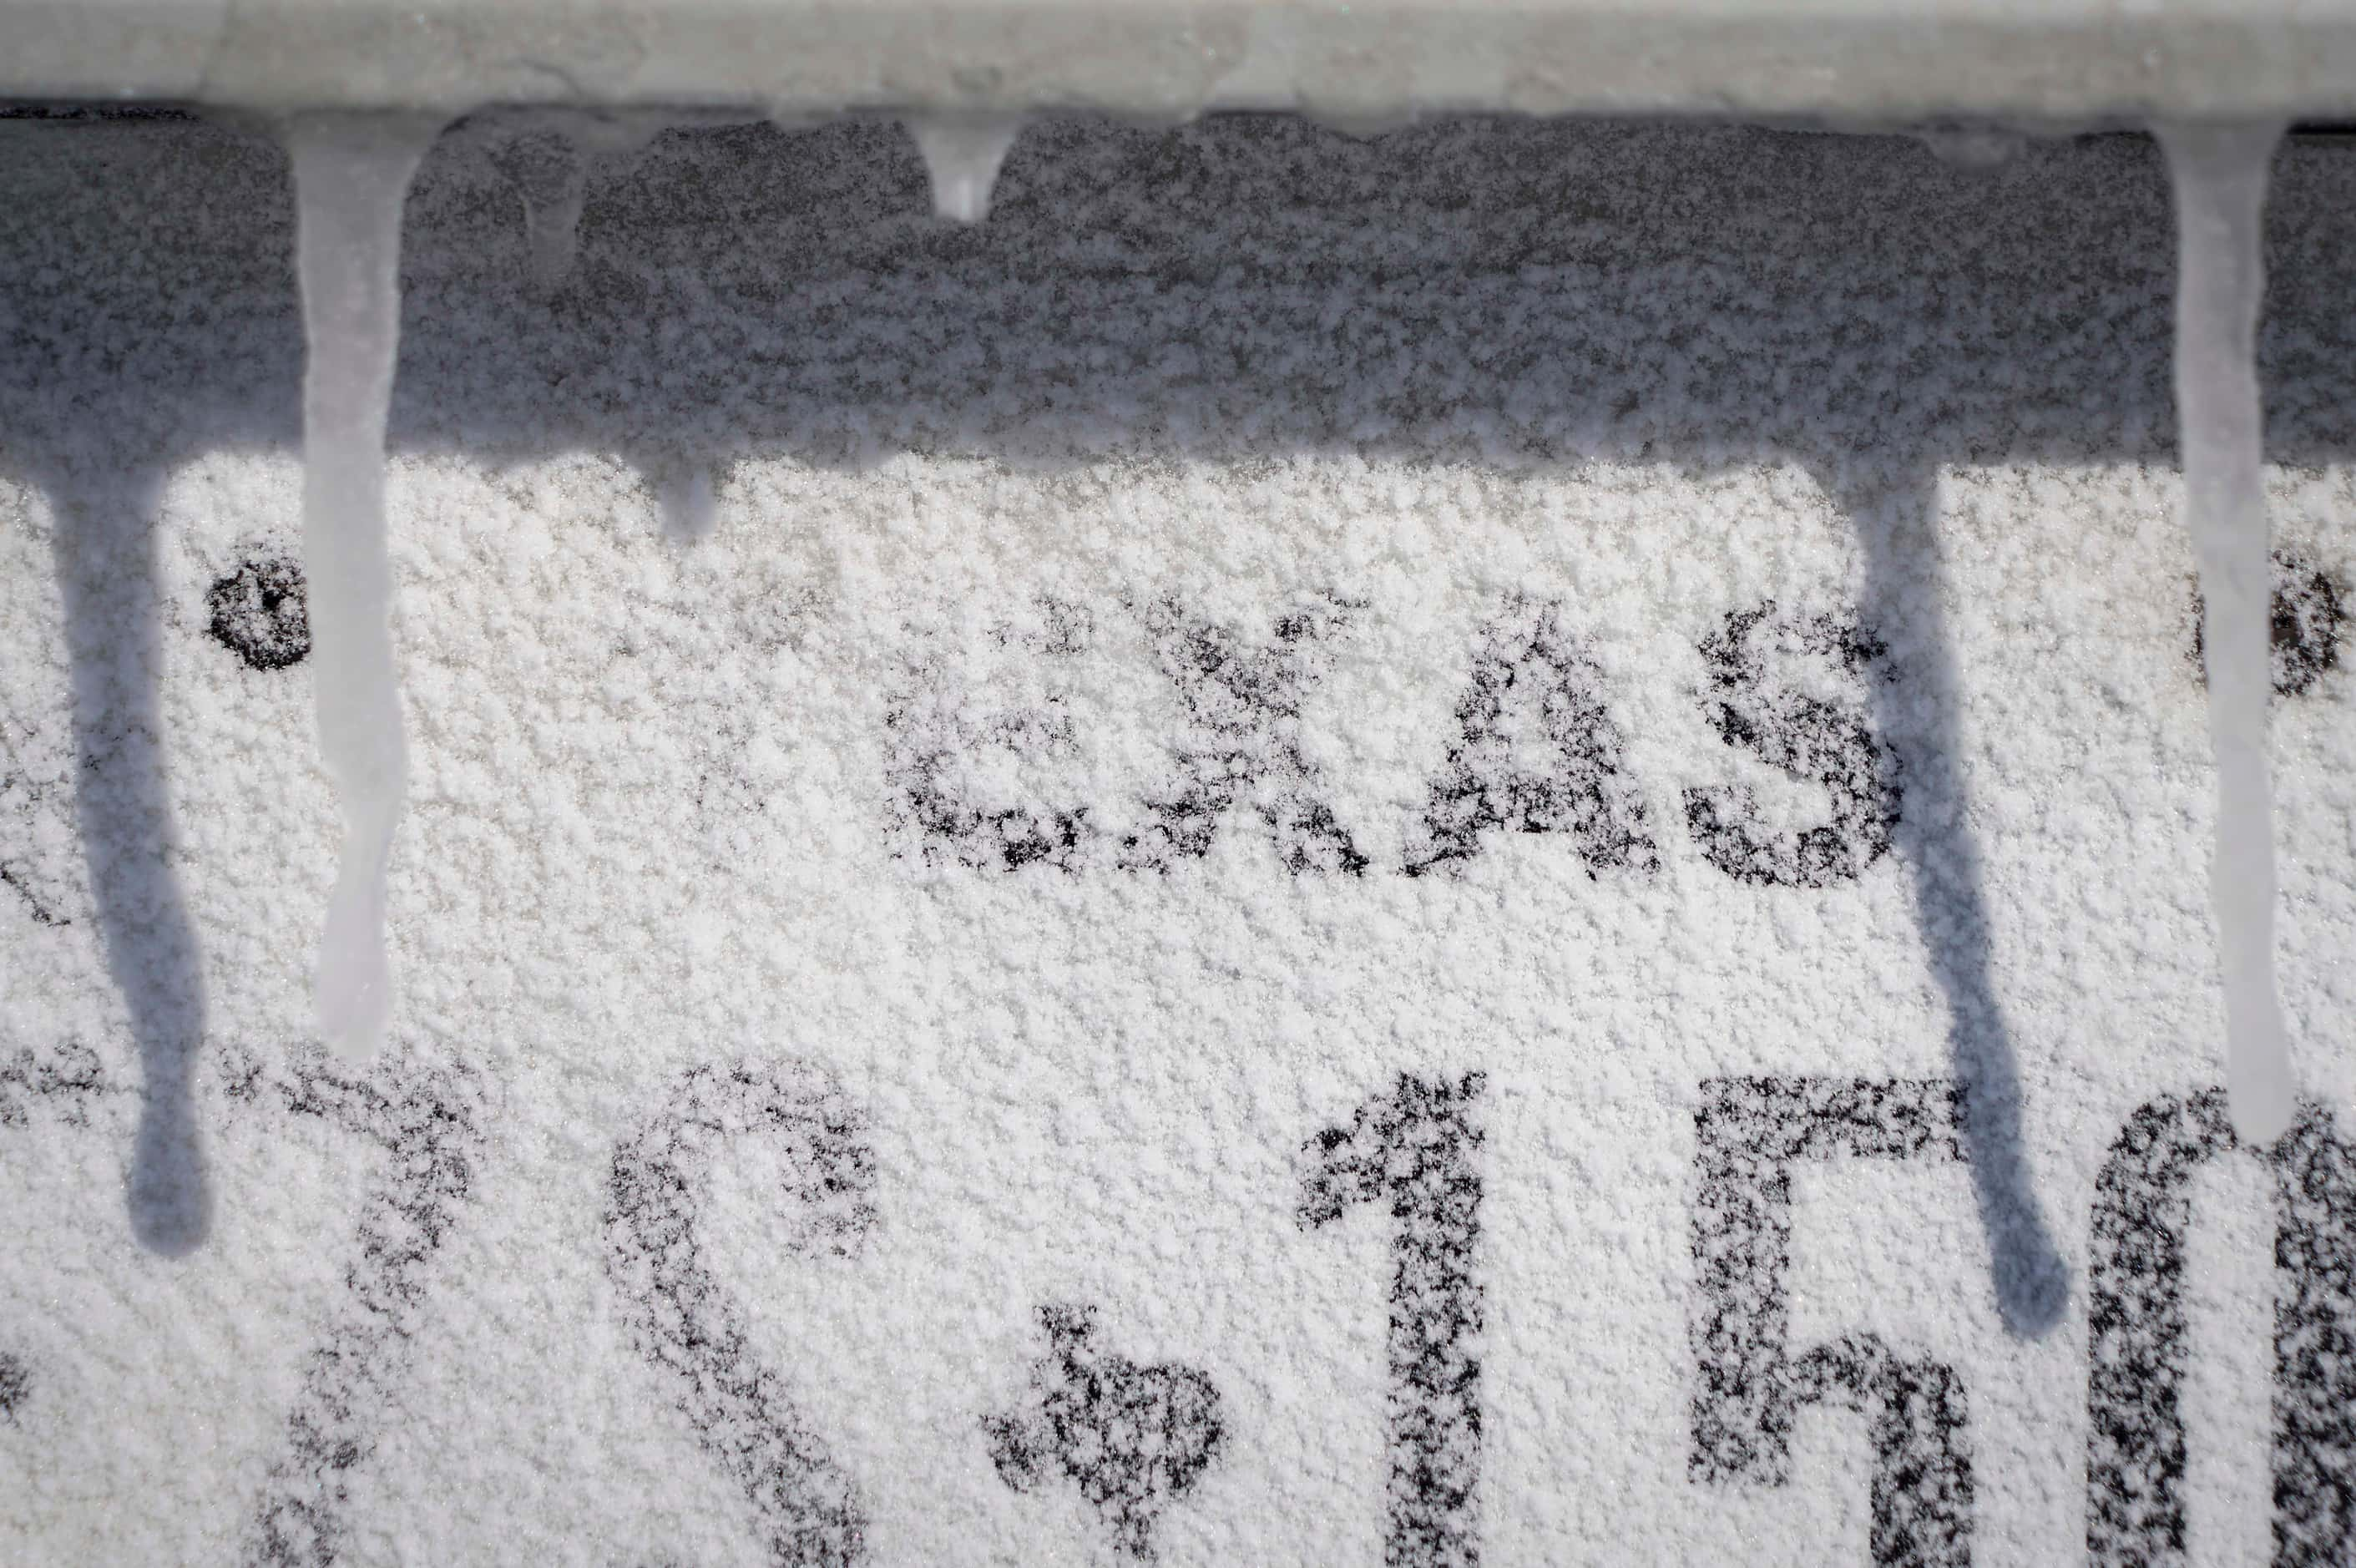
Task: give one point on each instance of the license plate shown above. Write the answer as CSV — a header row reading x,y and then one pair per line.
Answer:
x,y
1485,846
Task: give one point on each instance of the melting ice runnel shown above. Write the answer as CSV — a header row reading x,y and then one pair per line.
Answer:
x,y
550,176
351,173
2219,176
545,156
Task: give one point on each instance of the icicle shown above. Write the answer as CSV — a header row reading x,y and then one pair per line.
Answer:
x,y
350,174
2220,175
548,170
962,152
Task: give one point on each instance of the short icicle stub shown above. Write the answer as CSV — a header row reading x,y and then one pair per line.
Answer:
x,y
962,155
2219,173
351,178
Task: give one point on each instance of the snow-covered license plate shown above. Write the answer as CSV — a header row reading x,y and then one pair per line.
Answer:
x,y
1488,846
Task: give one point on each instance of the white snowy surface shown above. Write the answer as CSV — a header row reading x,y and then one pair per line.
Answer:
x,y
791,485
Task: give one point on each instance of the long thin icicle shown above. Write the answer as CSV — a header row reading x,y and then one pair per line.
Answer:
x,y
351,173
2220,175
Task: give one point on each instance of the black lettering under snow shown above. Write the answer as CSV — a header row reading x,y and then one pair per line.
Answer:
x,y
38,845
15,1385
2137,1339
2305,622
259,613
1243,746
63,1079
685,1321
429,1121
18,880
1803,736
1417,1151
1749,1133
1005,838
1536,752
1132,1438
934,735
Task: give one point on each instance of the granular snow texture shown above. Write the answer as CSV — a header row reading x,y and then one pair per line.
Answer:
x,y
1484,846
